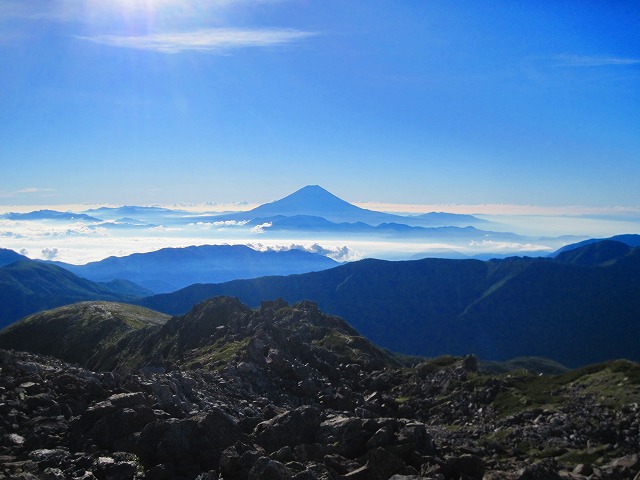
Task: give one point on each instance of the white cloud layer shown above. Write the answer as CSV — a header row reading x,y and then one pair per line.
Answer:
x,y
337,253
202,40
260,228
219,225
81,242
49,253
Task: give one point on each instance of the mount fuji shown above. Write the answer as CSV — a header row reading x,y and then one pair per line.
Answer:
x,y
315,201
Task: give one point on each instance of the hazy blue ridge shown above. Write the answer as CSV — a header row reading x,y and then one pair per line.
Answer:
x,y
170,269
500,309
50,215
28,286
631,239
9,256
320,225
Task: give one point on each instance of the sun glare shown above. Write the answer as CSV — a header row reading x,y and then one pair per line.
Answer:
x,y
151,13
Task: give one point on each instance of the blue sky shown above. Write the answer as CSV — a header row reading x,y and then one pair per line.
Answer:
x,y
140,102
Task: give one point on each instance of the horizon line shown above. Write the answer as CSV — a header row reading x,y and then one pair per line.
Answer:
x,y
386,207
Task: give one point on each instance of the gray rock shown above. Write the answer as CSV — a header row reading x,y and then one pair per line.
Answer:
x,y
291,428
268,469
197,441
382,464
469,466
346,434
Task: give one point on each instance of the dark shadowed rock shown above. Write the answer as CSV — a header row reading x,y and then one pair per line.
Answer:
x,y
268,469
346,434
288,429
194,441
235,397
467,466
381,464
544,470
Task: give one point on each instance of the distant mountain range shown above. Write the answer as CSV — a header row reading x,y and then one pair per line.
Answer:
x,y
114,213
310,214
632,240
579,308
27,286
314,202
170,269
50,215
308,202
321,226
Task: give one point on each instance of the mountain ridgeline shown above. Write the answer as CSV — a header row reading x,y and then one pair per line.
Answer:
x,y
315,203
169,269
581,307
27,286
287,392
107,335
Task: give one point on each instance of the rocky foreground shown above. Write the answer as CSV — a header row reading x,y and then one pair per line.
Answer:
x,y
284,392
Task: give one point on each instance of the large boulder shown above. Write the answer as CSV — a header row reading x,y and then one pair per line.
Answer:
x,y
347,434
291,428
194,443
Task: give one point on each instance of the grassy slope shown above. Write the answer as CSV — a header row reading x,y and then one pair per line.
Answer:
x,y
79,333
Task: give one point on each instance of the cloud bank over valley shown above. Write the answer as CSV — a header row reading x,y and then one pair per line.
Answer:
x,y
87,234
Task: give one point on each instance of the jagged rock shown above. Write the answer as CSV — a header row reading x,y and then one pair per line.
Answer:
x,y
544,470
237,460
194,442
262,392
381,464
467,466
116,429
48,457
623,467
211,475
128,400
268,469
291,428
382,437
339,464
346,434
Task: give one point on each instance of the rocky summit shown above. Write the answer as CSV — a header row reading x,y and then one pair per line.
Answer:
x,y
286,392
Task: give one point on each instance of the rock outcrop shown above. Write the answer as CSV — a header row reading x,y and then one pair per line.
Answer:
x,y
285,392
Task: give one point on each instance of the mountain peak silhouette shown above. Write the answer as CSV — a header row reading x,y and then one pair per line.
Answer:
x,y
312,200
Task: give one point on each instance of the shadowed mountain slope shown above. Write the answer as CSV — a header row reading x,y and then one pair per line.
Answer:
x,y
169,269
105,336
499,309
9,256
632,240
28,286
598,253
286,392
79,333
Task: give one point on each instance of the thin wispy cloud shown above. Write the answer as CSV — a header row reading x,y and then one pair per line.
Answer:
x,y
202,40
27,191
593,61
